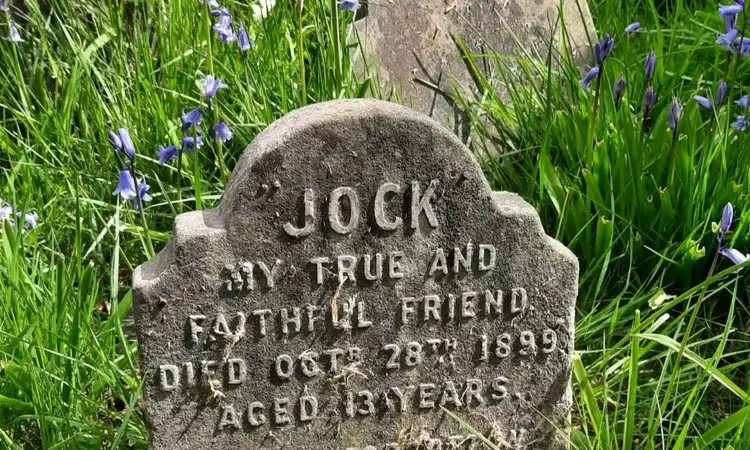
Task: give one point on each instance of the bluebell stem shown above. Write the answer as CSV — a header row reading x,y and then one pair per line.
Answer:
x,y
166,154
619,90
675,114
243,41
222,132
633,29
349,5
190,143
603,48
740,124
190,119
650,65
125,186
649,101
590,76
210,85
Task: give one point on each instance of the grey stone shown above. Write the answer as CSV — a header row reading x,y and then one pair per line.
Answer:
x,y
249,340
403,41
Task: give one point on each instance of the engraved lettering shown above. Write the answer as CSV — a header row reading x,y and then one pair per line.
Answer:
x,y
237,371
334,207
394,265
528,345
296,319
208,368
312,317
492,303
308,408
427,396
367,402
284,367
261,315
432,305
334,354
362,321
451,307
413,354
472,391
381,216
319,267
220,327
394,359
462,261
487,256
309,364
399,395
269,274
378,275
484,352
503,346
229,418
169,377
280,411
346,266
549,341
255,414
195,328
450,395
420,205
499,391
519,301
309,221
468,309
355,354
439,263
189,374
407,309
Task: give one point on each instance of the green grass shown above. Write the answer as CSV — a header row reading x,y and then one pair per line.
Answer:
x,y
661,331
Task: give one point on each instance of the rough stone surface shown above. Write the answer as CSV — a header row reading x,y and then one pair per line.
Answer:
x,y
406,40
468,307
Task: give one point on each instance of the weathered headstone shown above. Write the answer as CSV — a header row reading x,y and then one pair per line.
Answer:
x,y
408,40
358,279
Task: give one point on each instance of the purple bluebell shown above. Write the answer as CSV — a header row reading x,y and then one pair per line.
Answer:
x,y
742,102
143,196
190,144
3,6
243,41
114,139
740,124
127,144
218,12
224,29
734,255
222,132
30,220
730,10
703,102
5,212
649,101
675,114
650,65
603,48
211,3
633,29
190,119
210,85
619,90
125,186
590,76
166,154
721,93
727,40
349,5
15,35
726,219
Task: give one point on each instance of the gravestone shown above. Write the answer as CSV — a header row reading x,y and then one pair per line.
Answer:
x,y
403,41
358,281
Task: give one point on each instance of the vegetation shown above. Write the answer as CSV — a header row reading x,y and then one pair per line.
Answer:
x,y
662,323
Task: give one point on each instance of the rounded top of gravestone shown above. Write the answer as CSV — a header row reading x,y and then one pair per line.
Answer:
x,y
358,275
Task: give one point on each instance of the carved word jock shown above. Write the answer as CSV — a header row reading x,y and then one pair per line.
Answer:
x,y
421,204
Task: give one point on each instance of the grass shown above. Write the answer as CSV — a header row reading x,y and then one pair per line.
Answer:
x,y
661,326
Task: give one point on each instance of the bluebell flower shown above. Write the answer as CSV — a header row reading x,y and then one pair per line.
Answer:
x,y
189,144
15,35
222,132
114,139
125,186
740,124
734,255
3,8
726,219
730,10
619,90
5,212
349,5
143,189
721,93
210,85
650,65
603,48
742,102
127,144
218,12
726,40
590,76
703,102
30,220
649,101
190,119
224,29
243,41
675,114
633,29
166,155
